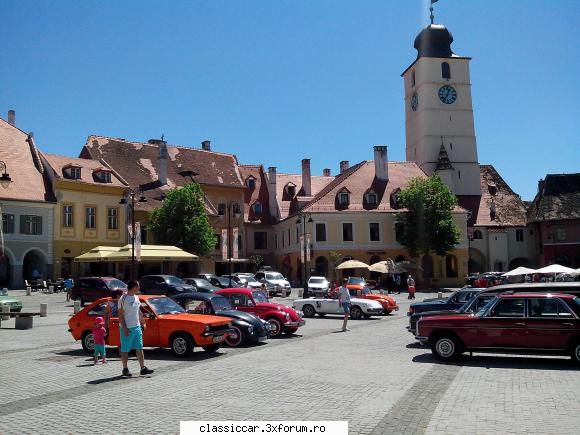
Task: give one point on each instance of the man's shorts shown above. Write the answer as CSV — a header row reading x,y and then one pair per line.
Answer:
x,y
99,350
346,307
132,341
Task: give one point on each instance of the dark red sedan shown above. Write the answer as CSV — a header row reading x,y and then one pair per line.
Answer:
x,y
511,323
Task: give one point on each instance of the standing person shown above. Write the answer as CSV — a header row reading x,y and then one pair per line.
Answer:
x,y
344,300
99,333
68,285
411,286
398,283
131,327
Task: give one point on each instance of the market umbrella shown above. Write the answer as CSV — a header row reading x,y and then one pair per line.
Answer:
x,y
408,266
386,267
352,264
555,268
519,271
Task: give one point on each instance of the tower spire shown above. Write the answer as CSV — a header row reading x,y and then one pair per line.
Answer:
x,y
431,10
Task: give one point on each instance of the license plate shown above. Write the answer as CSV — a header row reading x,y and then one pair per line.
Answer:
x,y
218,338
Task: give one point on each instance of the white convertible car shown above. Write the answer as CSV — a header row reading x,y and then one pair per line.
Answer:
x,y
359,308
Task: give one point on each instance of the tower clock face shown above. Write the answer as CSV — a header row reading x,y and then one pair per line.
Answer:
x,y
414,102
447,94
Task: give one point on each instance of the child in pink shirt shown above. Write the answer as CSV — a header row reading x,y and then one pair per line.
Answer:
x,y
99,333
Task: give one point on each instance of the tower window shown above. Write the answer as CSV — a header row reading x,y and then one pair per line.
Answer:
x,y
445,71
413,78
458,174
450,145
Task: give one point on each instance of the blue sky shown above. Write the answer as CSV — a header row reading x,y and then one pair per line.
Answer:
x,y
277,81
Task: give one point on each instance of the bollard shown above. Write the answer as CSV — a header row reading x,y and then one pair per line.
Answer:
x,y
43,310
77,306
5,312
440,295
51,289
28,291
300,293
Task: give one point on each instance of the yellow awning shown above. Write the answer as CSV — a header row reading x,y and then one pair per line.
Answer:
x,y
152,253
99,253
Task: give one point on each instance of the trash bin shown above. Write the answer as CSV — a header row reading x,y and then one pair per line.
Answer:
x,y
43,310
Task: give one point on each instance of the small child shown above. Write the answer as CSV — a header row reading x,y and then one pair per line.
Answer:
x,y
99,333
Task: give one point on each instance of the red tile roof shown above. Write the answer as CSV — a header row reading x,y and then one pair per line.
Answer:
x,y
289,205
360,179
259,193
558,198
89,169
28,181
136,162
509,207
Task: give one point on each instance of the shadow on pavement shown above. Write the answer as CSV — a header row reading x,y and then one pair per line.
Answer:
x,y
415,346
150,354
502,362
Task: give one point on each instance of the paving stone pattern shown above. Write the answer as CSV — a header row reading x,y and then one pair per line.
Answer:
x,y
374,376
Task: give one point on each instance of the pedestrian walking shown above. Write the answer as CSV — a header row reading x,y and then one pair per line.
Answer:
x,y
131,326
99,333
398,283
411,287
68,285
344,300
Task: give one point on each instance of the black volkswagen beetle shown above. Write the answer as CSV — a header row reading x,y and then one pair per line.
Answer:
x,y
247,328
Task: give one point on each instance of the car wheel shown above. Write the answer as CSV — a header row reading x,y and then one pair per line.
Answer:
x,y
276,326
356,313
182,344
88,342
236,339
446,347
308,310
211,348
576,352
290,331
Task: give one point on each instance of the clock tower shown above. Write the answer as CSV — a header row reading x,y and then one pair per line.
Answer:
x,y
440,133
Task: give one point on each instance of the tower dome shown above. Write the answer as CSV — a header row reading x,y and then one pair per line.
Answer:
x,y
434,41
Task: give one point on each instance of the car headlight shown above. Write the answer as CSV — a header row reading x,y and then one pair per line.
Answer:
x,y
206,328
287,316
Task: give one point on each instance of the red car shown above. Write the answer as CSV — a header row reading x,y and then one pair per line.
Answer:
x,y
511,323
281,318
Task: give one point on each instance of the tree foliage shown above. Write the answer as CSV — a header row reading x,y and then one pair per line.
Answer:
x,y
182,221
427,225
258,260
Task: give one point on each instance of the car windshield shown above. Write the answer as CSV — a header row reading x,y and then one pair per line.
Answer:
x,y
200,282
221,303
115,283
483,309
274,276
356,281
165,306
259,297
317,280
250,279
173,280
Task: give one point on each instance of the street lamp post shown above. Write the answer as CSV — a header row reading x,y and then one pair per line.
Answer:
x,y
131,194
5,179
231,208
302,219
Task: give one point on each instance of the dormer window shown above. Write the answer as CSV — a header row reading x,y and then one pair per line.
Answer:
x,y
102,176
72,172
343,199
291,190
257,207
492,188
372,199
251,182
395,199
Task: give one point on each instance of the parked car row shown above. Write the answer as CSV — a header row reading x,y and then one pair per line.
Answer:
x,y
521,318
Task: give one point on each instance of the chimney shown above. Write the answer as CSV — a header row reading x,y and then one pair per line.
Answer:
x,y
306,180
381,168
162,162
541,184
206,145
12,118
343,166
326,172
272,191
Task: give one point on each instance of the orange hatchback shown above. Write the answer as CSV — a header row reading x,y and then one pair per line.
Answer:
x,y
356,288
167,325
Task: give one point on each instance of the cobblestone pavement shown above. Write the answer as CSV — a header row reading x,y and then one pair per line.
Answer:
x,y
374,376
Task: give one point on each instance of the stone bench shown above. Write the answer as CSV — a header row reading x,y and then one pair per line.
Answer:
x,y
23,320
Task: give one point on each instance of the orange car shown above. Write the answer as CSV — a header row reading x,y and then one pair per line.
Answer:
x,y
357,286
167,325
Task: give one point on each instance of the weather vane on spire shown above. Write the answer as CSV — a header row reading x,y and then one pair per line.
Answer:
x,y
431,10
